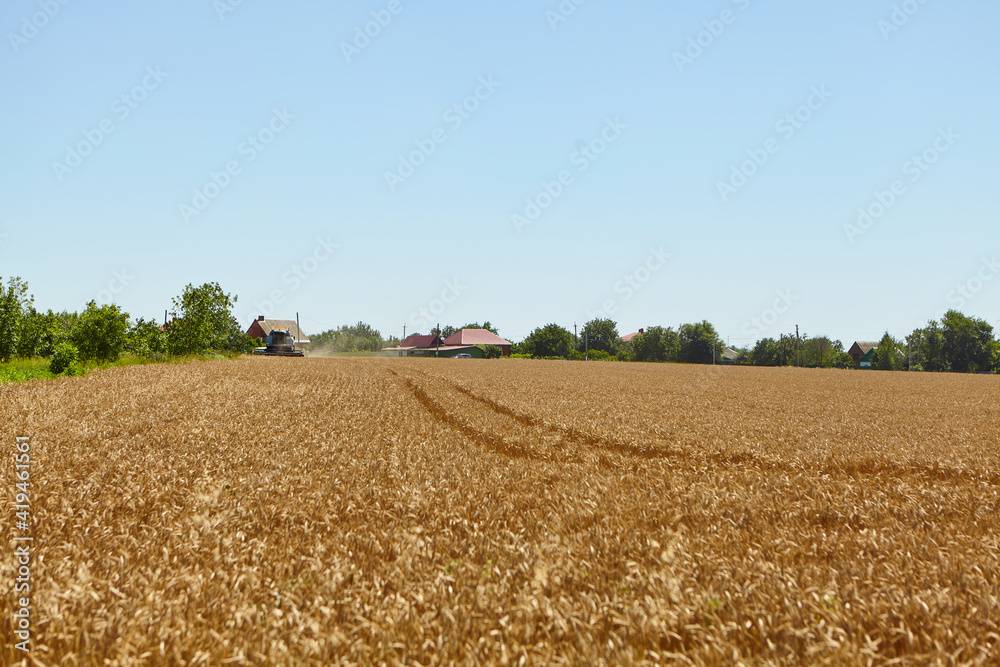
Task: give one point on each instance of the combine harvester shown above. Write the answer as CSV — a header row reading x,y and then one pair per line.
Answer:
x,y
280,343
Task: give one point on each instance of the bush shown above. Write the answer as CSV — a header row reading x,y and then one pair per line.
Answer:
x,y
491,351
100,333
64,356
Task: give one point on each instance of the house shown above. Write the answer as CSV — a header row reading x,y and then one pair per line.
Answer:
x,y
262,326
471,337
465,341
628,337
412,343
729,355
862,352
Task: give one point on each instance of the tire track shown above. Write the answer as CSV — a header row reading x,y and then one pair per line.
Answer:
x,y
864,468
567,433
485,440
570,432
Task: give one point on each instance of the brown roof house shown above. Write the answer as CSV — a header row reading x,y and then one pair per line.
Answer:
x,y
862,352
467,337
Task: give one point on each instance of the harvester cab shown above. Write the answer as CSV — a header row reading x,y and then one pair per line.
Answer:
x,y
279,343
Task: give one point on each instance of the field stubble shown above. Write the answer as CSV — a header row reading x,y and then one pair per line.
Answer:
x,y
425,511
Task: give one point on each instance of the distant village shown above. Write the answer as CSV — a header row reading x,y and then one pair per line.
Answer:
x,y
478,343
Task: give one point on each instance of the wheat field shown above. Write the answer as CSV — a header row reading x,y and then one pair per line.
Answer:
x,y
424,511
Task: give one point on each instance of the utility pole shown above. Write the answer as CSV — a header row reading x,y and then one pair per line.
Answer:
x,y
437,341
404,330
586,346
798,347
575,343
781,349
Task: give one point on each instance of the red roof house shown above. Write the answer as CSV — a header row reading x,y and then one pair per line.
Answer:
x,y
628,337
414,342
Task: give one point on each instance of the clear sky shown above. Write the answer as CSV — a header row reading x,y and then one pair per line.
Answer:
x,y
521,162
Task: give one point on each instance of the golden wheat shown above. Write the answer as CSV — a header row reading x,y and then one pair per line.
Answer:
x,y
326,511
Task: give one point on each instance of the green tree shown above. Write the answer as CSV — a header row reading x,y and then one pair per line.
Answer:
x,y
968,342
14,303
887,356
600,334
50,329
823,352
551,340
100,332
771,352
146,339
697,342
656,344
361,337
204,321
31,334
765,353
444,332
930,348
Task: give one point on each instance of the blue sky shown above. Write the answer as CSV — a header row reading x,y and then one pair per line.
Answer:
x,y
669,162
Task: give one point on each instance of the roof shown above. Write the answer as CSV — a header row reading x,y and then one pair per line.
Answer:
x,y
865,346
429,348
729,353
628,337
269,325
475,337
416,340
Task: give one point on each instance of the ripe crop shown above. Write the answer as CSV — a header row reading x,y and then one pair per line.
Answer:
x,y
426,511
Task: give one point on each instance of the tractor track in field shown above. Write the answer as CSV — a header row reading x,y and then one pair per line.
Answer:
x,y
566,434
485,440
569,432
865,468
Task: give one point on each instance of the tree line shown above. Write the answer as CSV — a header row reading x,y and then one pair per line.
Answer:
x,y
201,322
956,343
